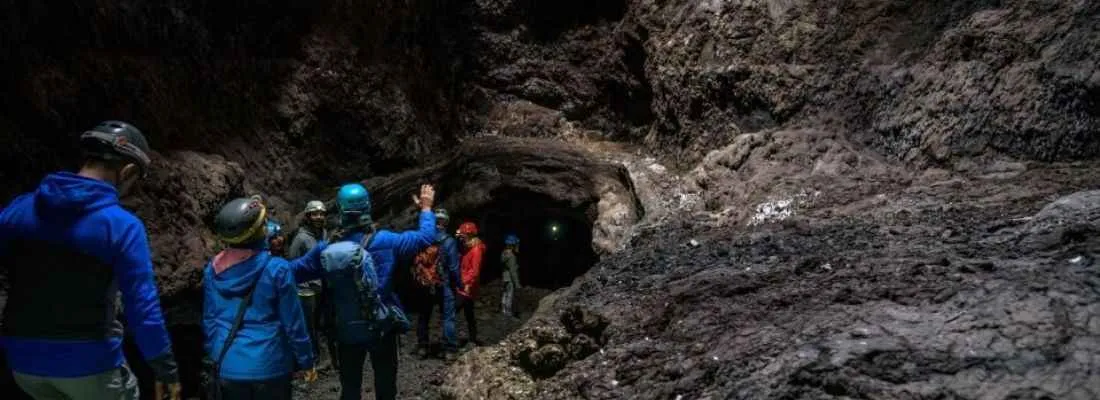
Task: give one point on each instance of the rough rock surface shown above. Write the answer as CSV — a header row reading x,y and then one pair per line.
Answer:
x,y
388,86
868,161
873,303
926,82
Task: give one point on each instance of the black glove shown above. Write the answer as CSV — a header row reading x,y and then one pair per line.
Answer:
x,y
165,369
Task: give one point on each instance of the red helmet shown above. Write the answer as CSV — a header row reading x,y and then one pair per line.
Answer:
x,y
467,229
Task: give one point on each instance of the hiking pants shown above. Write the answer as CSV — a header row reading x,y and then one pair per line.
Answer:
x,y
383,360
467,306
273,389
507,298
445,299
116,384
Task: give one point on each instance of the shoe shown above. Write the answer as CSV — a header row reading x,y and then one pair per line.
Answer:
x,y
450,357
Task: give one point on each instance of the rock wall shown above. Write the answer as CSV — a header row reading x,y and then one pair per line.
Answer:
x,y
285,105
317,93
927,82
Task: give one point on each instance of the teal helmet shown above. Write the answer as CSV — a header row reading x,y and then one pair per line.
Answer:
x,y
353,200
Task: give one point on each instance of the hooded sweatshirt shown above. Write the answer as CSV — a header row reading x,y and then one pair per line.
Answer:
x,y
273,341
69,249
385,248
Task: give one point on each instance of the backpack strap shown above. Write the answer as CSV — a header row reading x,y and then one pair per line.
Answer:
x,y
239,318
368,238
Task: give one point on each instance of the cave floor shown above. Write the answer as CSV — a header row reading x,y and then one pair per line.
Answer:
x,y
421,378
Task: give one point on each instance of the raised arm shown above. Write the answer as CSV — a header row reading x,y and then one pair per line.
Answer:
x,y
406,244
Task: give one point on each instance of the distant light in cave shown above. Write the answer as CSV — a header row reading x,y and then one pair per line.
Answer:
x,y
555,230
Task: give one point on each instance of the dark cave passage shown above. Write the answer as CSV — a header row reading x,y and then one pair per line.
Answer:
x,y
555,238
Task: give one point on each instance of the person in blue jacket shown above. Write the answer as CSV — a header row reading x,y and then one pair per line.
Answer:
x,y
385,248
272,343
69,249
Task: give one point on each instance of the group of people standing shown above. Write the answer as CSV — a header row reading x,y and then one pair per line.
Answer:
x,y
261,313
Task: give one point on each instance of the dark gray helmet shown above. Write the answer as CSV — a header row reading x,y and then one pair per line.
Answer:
x,y
241,221
117,140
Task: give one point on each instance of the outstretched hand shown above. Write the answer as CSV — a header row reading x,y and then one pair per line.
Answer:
x,y
426,199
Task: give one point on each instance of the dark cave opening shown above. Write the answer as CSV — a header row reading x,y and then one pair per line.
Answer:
x,y
549,19
555,237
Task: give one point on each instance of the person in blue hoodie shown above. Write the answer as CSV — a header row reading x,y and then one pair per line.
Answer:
x,y
256,356
385,247
70,249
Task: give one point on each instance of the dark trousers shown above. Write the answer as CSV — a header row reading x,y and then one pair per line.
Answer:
x,y
467,306
383,359
271,389
445,300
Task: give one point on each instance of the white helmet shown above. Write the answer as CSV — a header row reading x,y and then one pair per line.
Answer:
x,y
315,206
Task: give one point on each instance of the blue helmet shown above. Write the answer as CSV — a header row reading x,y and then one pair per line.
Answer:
x,y
273,228
353,200
511,239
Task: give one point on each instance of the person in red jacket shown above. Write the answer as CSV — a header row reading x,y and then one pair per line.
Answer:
x,y
471,273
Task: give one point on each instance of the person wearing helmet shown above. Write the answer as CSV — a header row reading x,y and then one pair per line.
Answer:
x,y
444,259
276,241
256,336
511,274
385,247
471,275
310,231
70,249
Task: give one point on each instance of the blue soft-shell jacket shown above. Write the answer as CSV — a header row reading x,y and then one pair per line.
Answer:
x,y
70,249
273,340
386,247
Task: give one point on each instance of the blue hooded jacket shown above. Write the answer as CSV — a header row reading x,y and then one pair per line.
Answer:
x,y
273,340
386,247
69,249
